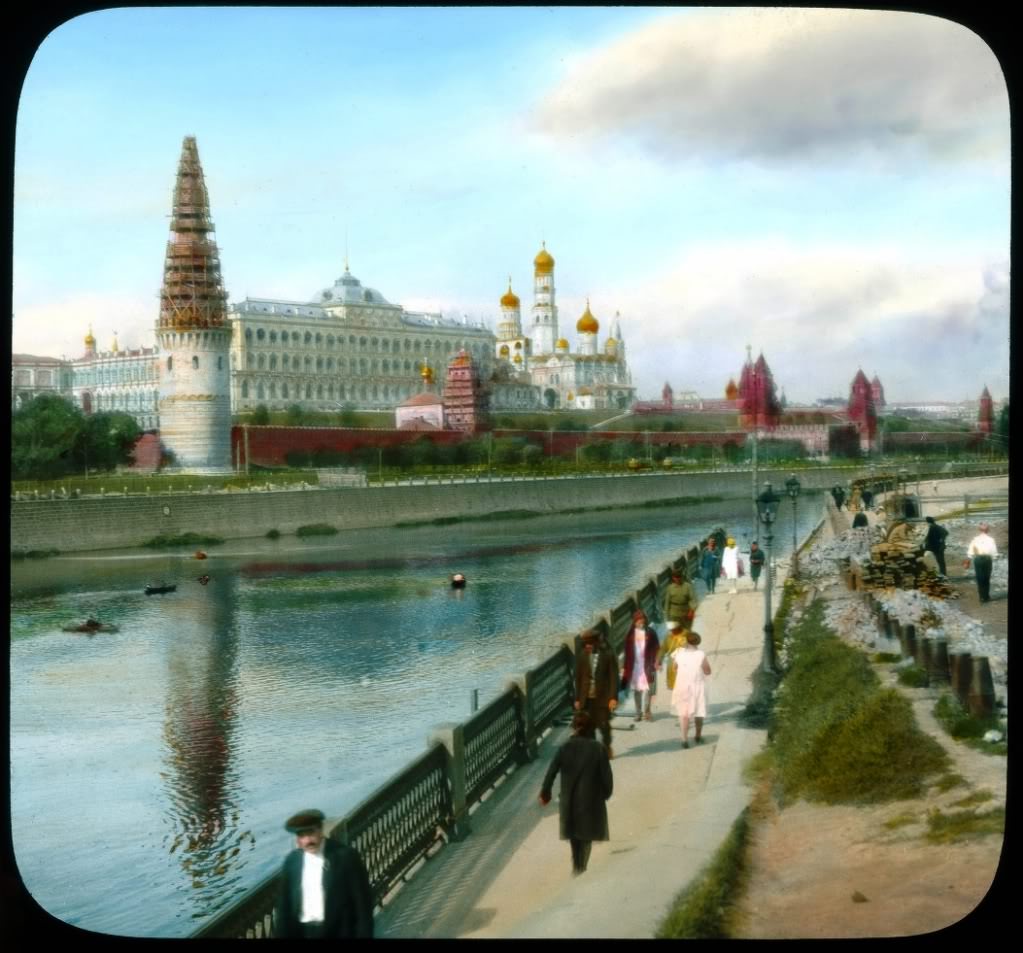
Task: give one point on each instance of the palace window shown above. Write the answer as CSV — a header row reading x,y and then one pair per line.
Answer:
x,y
260,334
170,363
273,362
284,390
319,363
308,363
273,337
261,361
248,335
308,337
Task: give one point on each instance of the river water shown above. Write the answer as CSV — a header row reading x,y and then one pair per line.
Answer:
x,y
152,767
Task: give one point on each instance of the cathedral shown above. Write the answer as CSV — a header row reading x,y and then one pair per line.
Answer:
x,y
588,378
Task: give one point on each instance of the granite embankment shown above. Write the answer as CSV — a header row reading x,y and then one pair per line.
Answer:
x,y
115,521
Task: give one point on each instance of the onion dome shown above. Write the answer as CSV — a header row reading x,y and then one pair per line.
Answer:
x,y
90,341
561,345
504,352
426,372
509,299
543,264
518,345
517,359
732,390
587,324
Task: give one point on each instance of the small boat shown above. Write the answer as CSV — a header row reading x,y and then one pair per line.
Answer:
x,y
91,625
157,590
199,554
458,581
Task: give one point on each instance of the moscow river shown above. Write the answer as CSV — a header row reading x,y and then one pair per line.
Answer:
x,y
152,768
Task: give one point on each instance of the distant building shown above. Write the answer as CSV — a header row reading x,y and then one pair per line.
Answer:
x,y
125,380
986,413
589,377
32,375
422,411
861,410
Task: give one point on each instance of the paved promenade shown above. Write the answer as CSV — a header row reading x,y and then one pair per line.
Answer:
x,y
670,811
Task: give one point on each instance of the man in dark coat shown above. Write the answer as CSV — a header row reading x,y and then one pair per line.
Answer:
x,y
324,887
756,562
710,564
586,784
596,683
934,542
679,600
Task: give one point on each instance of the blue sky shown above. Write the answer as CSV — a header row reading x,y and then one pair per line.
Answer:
x,y
830,187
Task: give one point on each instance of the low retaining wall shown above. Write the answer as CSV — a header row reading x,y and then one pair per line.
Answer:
x,y
79,525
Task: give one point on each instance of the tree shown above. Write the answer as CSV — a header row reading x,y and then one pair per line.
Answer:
x,y
1002,428
348,416
44,433
295,415
261,415
107,440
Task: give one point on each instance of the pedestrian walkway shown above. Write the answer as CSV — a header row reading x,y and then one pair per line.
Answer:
x,y
671,810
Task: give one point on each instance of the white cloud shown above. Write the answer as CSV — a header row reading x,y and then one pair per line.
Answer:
x,y
927,325
788,84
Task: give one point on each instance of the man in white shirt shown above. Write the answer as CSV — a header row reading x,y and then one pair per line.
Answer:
x,y
982,550
324,887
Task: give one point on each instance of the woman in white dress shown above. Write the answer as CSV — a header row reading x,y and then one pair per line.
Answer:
x,y
730,563
689,696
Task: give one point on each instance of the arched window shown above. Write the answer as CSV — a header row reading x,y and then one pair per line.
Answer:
x,y
330,363
309,391
260,334
308,337
351,339
284,390
375,366
341,391
362,365
330,340
319,363
260,391
319,392
385,366
273,390
308,363
273,337
273,362
261,361
319,338
330,391
170,363
249,359
284,361
245,390
408,344
248,335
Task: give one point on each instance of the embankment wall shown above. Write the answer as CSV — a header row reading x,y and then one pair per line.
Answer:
x,y
77,525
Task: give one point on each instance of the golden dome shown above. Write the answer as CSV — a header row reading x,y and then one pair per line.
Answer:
x,y
543,264
517,359
587,324
504,352
518,345
90,341
426,372
509,299
561,343
571,396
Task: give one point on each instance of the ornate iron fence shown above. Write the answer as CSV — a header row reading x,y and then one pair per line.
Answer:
x,y
492,741
551,689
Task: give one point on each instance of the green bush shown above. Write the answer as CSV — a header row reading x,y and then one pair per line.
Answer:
x,y
963,726
913,676
273,534
316,529
164,540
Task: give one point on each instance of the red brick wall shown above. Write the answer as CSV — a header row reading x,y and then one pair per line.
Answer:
x,y
147,453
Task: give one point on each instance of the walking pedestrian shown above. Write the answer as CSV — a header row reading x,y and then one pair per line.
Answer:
x,y
689,697
640,672
324,888
675,639
982,550
934,542
756,562
596,683
710,564
730,564
586,784
679,600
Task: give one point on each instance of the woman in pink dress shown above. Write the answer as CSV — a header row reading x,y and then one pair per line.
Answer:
x,y
689,696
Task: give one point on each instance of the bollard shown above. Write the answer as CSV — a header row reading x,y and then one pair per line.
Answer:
x,y
937,673
981,701
474,701
908,639
924,652
961,665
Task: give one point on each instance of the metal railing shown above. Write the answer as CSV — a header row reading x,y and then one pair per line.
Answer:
x,y
428,803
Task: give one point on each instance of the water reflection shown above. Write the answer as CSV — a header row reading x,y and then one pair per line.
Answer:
x,y
200,714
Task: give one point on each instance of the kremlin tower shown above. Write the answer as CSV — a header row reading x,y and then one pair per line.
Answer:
x,y
986,415
193,333
511,345
877,392
758,399
545,311
464,400
861,410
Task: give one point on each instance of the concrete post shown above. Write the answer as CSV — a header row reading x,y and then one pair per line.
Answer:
x,y
909,641
924,653
981,701
452,736
527,734
961,664
938,673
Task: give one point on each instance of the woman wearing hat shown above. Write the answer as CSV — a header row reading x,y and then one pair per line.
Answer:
x,y
675,639
730,563
640,673
689,697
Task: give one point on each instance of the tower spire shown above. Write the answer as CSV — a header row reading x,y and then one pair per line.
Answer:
x,y
193,294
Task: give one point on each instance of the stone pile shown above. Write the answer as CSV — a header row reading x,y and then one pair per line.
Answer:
x,y
828,557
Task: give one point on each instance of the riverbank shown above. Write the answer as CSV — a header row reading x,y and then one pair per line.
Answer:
x,y
91,524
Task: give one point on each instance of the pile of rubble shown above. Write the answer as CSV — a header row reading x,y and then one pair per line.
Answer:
x,y
830,556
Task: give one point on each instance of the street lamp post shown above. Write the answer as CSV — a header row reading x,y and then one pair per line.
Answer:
x,y
767,511
792,487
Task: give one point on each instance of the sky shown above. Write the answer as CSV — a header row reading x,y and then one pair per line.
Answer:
x,y
830,187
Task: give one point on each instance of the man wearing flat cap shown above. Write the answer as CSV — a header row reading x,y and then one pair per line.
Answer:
x,y
324,887
596,682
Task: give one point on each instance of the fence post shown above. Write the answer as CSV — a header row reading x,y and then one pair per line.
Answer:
x,y
452,736
938,671
527,734
908,640
961,664
982,689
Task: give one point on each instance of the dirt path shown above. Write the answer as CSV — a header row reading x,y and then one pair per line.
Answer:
x,y
843,872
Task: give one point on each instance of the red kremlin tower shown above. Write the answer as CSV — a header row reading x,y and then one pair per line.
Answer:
x,y
464,399
861,410
986,417
668,396
877,392
758,399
